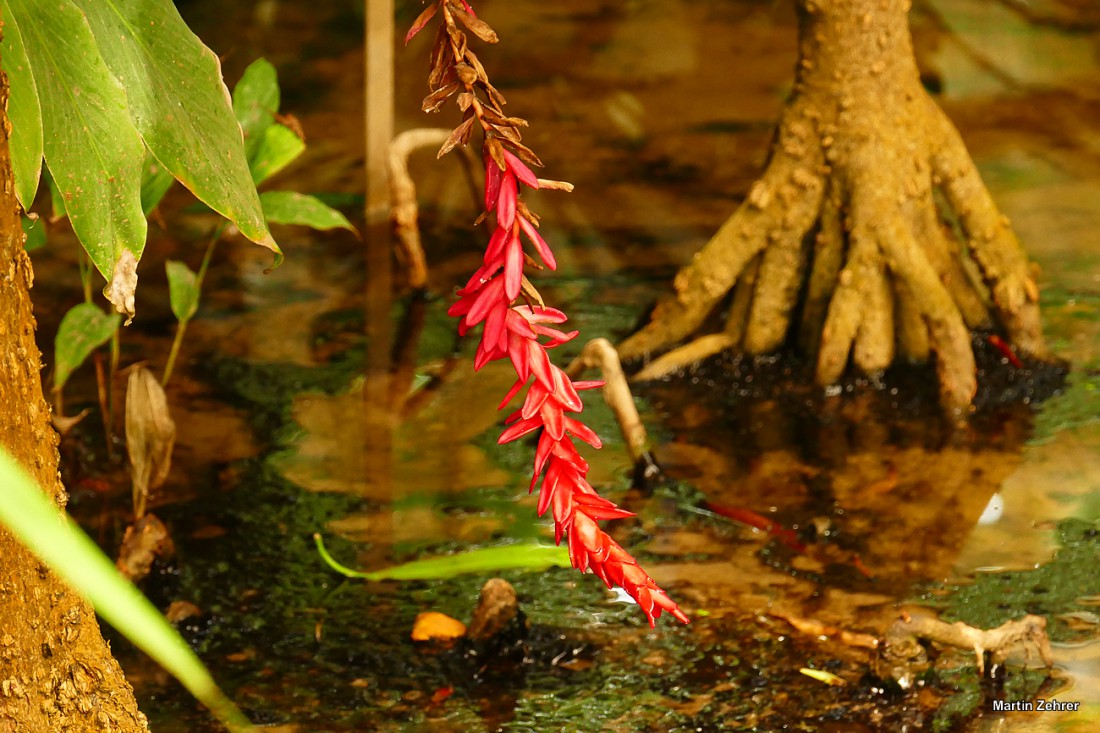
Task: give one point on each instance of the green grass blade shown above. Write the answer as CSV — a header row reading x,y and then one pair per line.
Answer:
x,y
59,543
523,556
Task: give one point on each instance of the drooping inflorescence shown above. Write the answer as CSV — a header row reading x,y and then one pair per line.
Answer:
x,y
524,333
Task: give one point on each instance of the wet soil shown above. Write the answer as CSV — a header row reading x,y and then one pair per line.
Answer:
x,y
292,421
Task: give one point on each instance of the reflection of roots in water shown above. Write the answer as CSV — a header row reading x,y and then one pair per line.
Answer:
x,y
901,493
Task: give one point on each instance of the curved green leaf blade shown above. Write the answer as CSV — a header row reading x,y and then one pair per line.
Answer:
x,y
524,556
180,105
23,111
83,329
288,207
90,144
278,146
72,555
183,290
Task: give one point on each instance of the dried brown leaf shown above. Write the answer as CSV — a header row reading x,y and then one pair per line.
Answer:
x,y
150,435
477,26
435,100
496,117
464,99
497,98
496,152
144,541
525,154
545,183
508,133
459,136
123,283
474,61
458,41
440,60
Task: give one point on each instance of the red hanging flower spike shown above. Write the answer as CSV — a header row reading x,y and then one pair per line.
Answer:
x,y
516,332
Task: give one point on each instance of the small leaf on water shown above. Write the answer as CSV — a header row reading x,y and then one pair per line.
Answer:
x,y
82,331
288,207
123,284
150,435
278,147
183,290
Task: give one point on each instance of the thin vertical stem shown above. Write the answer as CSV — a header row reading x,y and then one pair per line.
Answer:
x,y
181,329
379,101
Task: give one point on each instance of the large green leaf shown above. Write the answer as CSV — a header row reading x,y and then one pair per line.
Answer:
x,y
90,144
288,207
23,111
33,518
83,329
180,105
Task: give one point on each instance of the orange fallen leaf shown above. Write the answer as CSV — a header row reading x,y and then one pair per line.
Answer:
x,y
434,625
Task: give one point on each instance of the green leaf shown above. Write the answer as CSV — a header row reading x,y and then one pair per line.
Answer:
x,y
155,182
23,111
255,102
33,518
35,229
90,144
277,148
288,207
57,202
180,105
183,290
525,556
83,329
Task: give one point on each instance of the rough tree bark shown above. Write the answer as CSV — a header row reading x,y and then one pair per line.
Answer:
x,y
56,671
870,217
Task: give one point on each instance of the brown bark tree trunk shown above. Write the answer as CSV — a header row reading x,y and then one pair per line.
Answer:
x,y
56,671
845,221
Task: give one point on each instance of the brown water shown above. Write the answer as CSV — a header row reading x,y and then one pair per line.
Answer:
x,y
660,113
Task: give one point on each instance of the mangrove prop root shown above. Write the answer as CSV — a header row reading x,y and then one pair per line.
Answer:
x,y
848,219
600,354
1027,634
404,211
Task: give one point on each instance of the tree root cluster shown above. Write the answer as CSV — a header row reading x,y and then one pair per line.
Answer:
x,y
870,226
